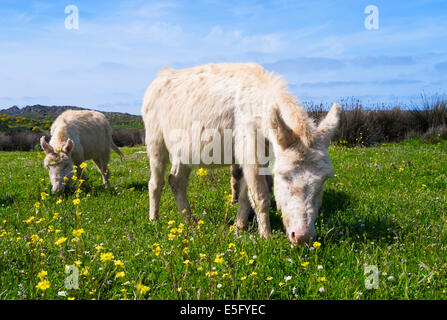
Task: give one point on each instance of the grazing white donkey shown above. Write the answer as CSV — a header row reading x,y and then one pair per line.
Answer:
x,y
77,136
249,101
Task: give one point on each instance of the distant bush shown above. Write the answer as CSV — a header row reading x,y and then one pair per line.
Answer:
x,y
23,140
361,126
128,137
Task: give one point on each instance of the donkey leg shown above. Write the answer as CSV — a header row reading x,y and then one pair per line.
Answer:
x,y
244,208
103,166
156,183
236,176
259,195
178,180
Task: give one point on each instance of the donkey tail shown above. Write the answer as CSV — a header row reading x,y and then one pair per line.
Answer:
x,y
115,148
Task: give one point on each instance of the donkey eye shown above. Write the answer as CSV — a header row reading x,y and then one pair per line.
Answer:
x,y
287,179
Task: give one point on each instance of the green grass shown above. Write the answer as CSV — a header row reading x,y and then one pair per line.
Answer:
x,y
386,207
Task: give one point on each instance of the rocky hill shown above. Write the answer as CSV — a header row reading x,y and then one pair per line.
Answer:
x,y
49,113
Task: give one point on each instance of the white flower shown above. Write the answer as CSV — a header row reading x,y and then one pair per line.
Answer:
x,y
321,289
390,278
62,294
319,267
219,286
288,278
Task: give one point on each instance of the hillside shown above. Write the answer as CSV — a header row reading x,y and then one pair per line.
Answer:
x,y
42,115
21,129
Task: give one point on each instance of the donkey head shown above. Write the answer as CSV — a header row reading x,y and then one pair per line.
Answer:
x,y
300,172
59,163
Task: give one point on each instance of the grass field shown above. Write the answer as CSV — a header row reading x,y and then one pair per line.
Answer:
x,y
386,207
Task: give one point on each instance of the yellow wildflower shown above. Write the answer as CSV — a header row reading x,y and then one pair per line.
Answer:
x,y
40,220
120,274
316,244
42,274
106,256
305,264
118,263
76,202
85,271
142,288
59,201
29,220
78,232
202,172
321,279
43,285
60,241
35,238
219,259
157,251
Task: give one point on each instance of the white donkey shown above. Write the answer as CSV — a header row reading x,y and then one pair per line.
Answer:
x,y
252,103
77,136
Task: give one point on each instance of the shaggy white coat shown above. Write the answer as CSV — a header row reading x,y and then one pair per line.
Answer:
x,y
245,98
77,136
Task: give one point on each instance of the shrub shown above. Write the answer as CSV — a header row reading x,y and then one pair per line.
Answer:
x,y
128,137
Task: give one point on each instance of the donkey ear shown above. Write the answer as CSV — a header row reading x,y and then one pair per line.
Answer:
x,y
329,125
68,146
47,148
284,135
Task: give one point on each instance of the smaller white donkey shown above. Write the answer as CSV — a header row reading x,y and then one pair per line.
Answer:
x,y
77,136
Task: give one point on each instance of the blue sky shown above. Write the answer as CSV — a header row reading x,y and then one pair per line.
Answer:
x,y
321,47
